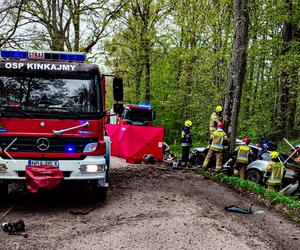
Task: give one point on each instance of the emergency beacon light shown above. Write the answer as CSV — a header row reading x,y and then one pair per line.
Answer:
x,y
41,55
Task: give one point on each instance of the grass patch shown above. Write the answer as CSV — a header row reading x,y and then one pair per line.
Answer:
x,y
273,196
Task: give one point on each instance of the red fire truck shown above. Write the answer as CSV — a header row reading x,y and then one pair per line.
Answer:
x,y
140,114
52,110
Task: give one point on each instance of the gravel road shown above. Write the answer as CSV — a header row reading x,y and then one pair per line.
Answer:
x,y
148,207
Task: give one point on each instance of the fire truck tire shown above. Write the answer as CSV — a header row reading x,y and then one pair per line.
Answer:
x,y
3,189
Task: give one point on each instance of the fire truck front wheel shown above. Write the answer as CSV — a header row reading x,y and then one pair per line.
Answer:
x,y
99,193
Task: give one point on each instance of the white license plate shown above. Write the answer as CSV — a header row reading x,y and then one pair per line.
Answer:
x,y
42,162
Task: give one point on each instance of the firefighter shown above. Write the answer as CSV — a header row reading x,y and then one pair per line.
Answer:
x,y
186,141
215,118
275,169
266,145
167,154
218,142
243,155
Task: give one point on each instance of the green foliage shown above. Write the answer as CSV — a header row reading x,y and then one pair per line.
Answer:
x,y
191,47
188,47
284,147
274,196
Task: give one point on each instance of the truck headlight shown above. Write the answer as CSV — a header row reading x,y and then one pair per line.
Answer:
x,y
92,168
91,147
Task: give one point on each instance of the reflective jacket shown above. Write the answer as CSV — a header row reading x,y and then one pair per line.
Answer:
x,y
218,140
214,119
276,169
186,137
243,152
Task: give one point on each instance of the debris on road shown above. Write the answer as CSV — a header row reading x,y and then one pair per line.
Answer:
x,y
236,209
14,228
7,211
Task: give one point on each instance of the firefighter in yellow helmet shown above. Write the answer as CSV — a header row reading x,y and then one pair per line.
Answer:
x,y
218,142
276,169
243,155
215,117
186,141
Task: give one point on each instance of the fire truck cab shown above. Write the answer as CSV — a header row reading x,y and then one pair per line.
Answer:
x,y
140,114
52,109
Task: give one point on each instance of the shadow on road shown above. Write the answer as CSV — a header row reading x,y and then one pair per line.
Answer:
x,y
65,197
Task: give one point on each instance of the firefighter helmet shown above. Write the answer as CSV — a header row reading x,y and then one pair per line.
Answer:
x,y
188,123
220,125
246,140
219,108
274,155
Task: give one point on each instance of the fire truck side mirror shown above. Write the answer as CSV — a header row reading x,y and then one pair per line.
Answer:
x,y
118,89
118,108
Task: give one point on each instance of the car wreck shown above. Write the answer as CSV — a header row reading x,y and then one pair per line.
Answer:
x,y
256,170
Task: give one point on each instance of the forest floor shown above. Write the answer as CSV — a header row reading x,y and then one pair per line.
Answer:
x,y
148,207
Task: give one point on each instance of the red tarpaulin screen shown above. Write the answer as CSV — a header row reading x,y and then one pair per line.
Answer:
x,y
134,142
42,176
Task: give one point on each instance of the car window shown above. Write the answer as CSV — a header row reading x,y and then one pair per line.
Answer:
x,y
266,156
255,151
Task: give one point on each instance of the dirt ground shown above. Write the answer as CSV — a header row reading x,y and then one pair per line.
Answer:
x,y
148,207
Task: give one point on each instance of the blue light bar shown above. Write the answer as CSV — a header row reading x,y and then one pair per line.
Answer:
x,y
73,57
145,105
14,54
38,55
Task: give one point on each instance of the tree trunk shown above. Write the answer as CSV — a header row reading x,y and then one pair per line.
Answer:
x,y
75,13
57,43
137,79
76,24
237,69
287,81
251,84
147,73
188,89
217,46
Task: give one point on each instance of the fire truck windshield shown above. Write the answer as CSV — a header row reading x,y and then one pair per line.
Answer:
x,y
49,97
136,114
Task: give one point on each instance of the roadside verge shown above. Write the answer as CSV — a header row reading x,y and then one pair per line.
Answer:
x,y
287,205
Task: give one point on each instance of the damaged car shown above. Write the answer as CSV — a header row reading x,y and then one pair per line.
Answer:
x,y
256,170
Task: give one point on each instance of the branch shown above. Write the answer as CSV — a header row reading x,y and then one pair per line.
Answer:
x,y
15,26
99,32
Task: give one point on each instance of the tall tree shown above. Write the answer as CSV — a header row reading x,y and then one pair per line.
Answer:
x,y
237,69
147,13
75,25
186,13
10,16
136,36
288,71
